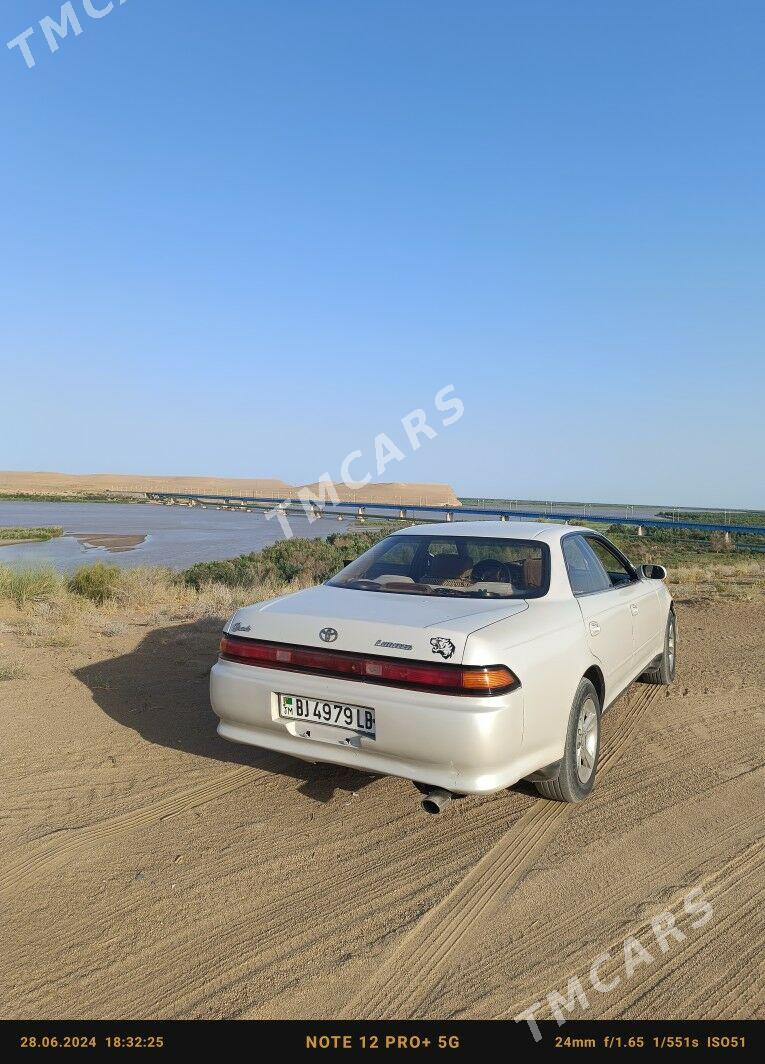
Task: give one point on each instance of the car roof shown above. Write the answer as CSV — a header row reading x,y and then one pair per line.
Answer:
x,y
541,530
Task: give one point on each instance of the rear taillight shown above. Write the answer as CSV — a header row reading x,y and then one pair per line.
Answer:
x,y
446,679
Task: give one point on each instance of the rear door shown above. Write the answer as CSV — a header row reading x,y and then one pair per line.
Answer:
x,y
606,612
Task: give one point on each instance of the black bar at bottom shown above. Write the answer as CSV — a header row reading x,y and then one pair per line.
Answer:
x,y
447,1038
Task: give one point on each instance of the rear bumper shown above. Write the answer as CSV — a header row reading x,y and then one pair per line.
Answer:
x,y
466,745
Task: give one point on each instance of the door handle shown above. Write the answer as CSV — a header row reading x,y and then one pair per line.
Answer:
x,y
634,608
594,628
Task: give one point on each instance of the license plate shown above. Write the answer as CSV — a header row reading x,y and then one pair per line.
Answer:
x,y
359,719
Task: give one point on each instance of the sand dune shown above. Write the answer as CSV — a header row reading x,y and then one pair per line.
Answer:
x,y
397,494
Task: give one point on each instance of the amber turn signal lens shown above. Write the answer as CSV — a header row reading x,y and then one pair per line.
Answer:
x,y
493,678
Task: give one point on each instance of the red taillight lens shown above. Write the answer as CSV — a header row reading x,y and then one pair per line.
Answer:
x,y
448,679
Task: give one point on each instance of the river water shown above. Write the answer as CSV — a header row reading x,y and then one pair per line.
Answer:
x,y
140,534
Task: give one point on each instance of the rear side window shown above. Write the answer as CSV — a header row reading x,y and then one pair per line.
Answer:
x,y
584,569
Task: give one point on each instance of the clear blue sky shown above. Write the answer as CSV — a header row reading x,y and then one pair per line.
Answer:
x,y
243,238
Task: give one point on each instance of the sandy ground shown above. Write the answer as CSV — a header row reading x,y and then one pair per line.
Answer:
x,y
152,870
398,494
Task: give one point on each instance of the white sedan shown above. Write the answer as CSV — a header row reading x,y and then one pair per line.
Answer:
x,y
463,656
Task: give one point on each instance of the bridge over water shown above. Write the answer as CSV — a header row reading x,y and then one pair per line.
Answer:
x,y
361,510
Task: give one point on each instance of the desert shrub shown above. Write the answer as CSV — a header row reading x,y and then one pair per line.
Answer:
x,y
29,584
308,560
717,543
11,671
95,582
147,587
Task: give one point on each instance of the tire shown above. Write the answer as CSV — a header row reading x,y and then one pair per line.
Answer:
x,y
576,776
663,673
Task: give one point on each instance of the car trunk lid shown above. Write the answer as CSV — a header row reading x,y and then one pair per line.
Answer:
x,y
420,627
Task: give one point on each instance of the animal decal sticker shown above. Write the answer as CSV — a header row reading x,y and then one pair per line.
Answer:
x,y
442,646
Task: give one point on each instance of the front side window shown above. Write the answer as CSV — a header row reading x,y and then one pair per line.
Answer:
x,y
585,571
618,573
593,565
457,566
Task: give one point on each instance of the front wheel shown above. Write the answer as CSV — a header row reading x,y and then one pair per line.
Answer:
x,y
576,775
664,671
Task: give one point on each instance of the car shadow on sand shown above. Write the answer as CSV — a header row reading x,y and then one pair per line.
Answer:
x,y
161,691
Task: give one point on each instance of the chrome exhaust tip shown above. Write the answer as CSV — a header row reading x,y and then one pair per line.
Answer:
x,y
435,800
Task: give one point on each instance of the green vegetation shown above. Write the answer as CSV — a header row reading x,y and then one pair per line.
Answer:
x,y
29,585
81,496
738,540
717,517
11,535
96,582
680,545
311,560
698,564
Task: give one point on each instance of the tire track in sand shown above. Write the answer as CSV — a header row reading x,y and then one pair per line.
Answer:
x,y
52,849
561,949
735,891
419,960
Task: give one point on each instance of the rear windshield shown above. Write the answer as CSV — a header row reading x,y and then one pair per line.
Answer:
x,y
459,566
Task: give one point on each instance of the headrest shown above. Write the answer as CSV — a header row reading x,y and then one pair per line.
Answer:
x,y
490,569
532,572
446,567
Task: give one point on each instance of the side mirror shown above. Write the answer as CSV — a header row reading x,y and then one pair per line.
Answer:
x,y
347,561
653,572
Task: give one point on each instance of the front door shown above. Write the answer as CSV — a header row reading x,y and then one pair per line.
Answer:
x,y
643,600
605,603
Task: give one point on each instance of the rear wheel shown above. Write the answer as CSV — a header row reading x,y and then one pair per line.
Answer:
x,y
576,775
664,671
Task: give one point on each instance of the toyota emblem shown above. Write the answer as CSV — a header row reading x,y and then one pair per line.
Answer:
x,y
328,635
